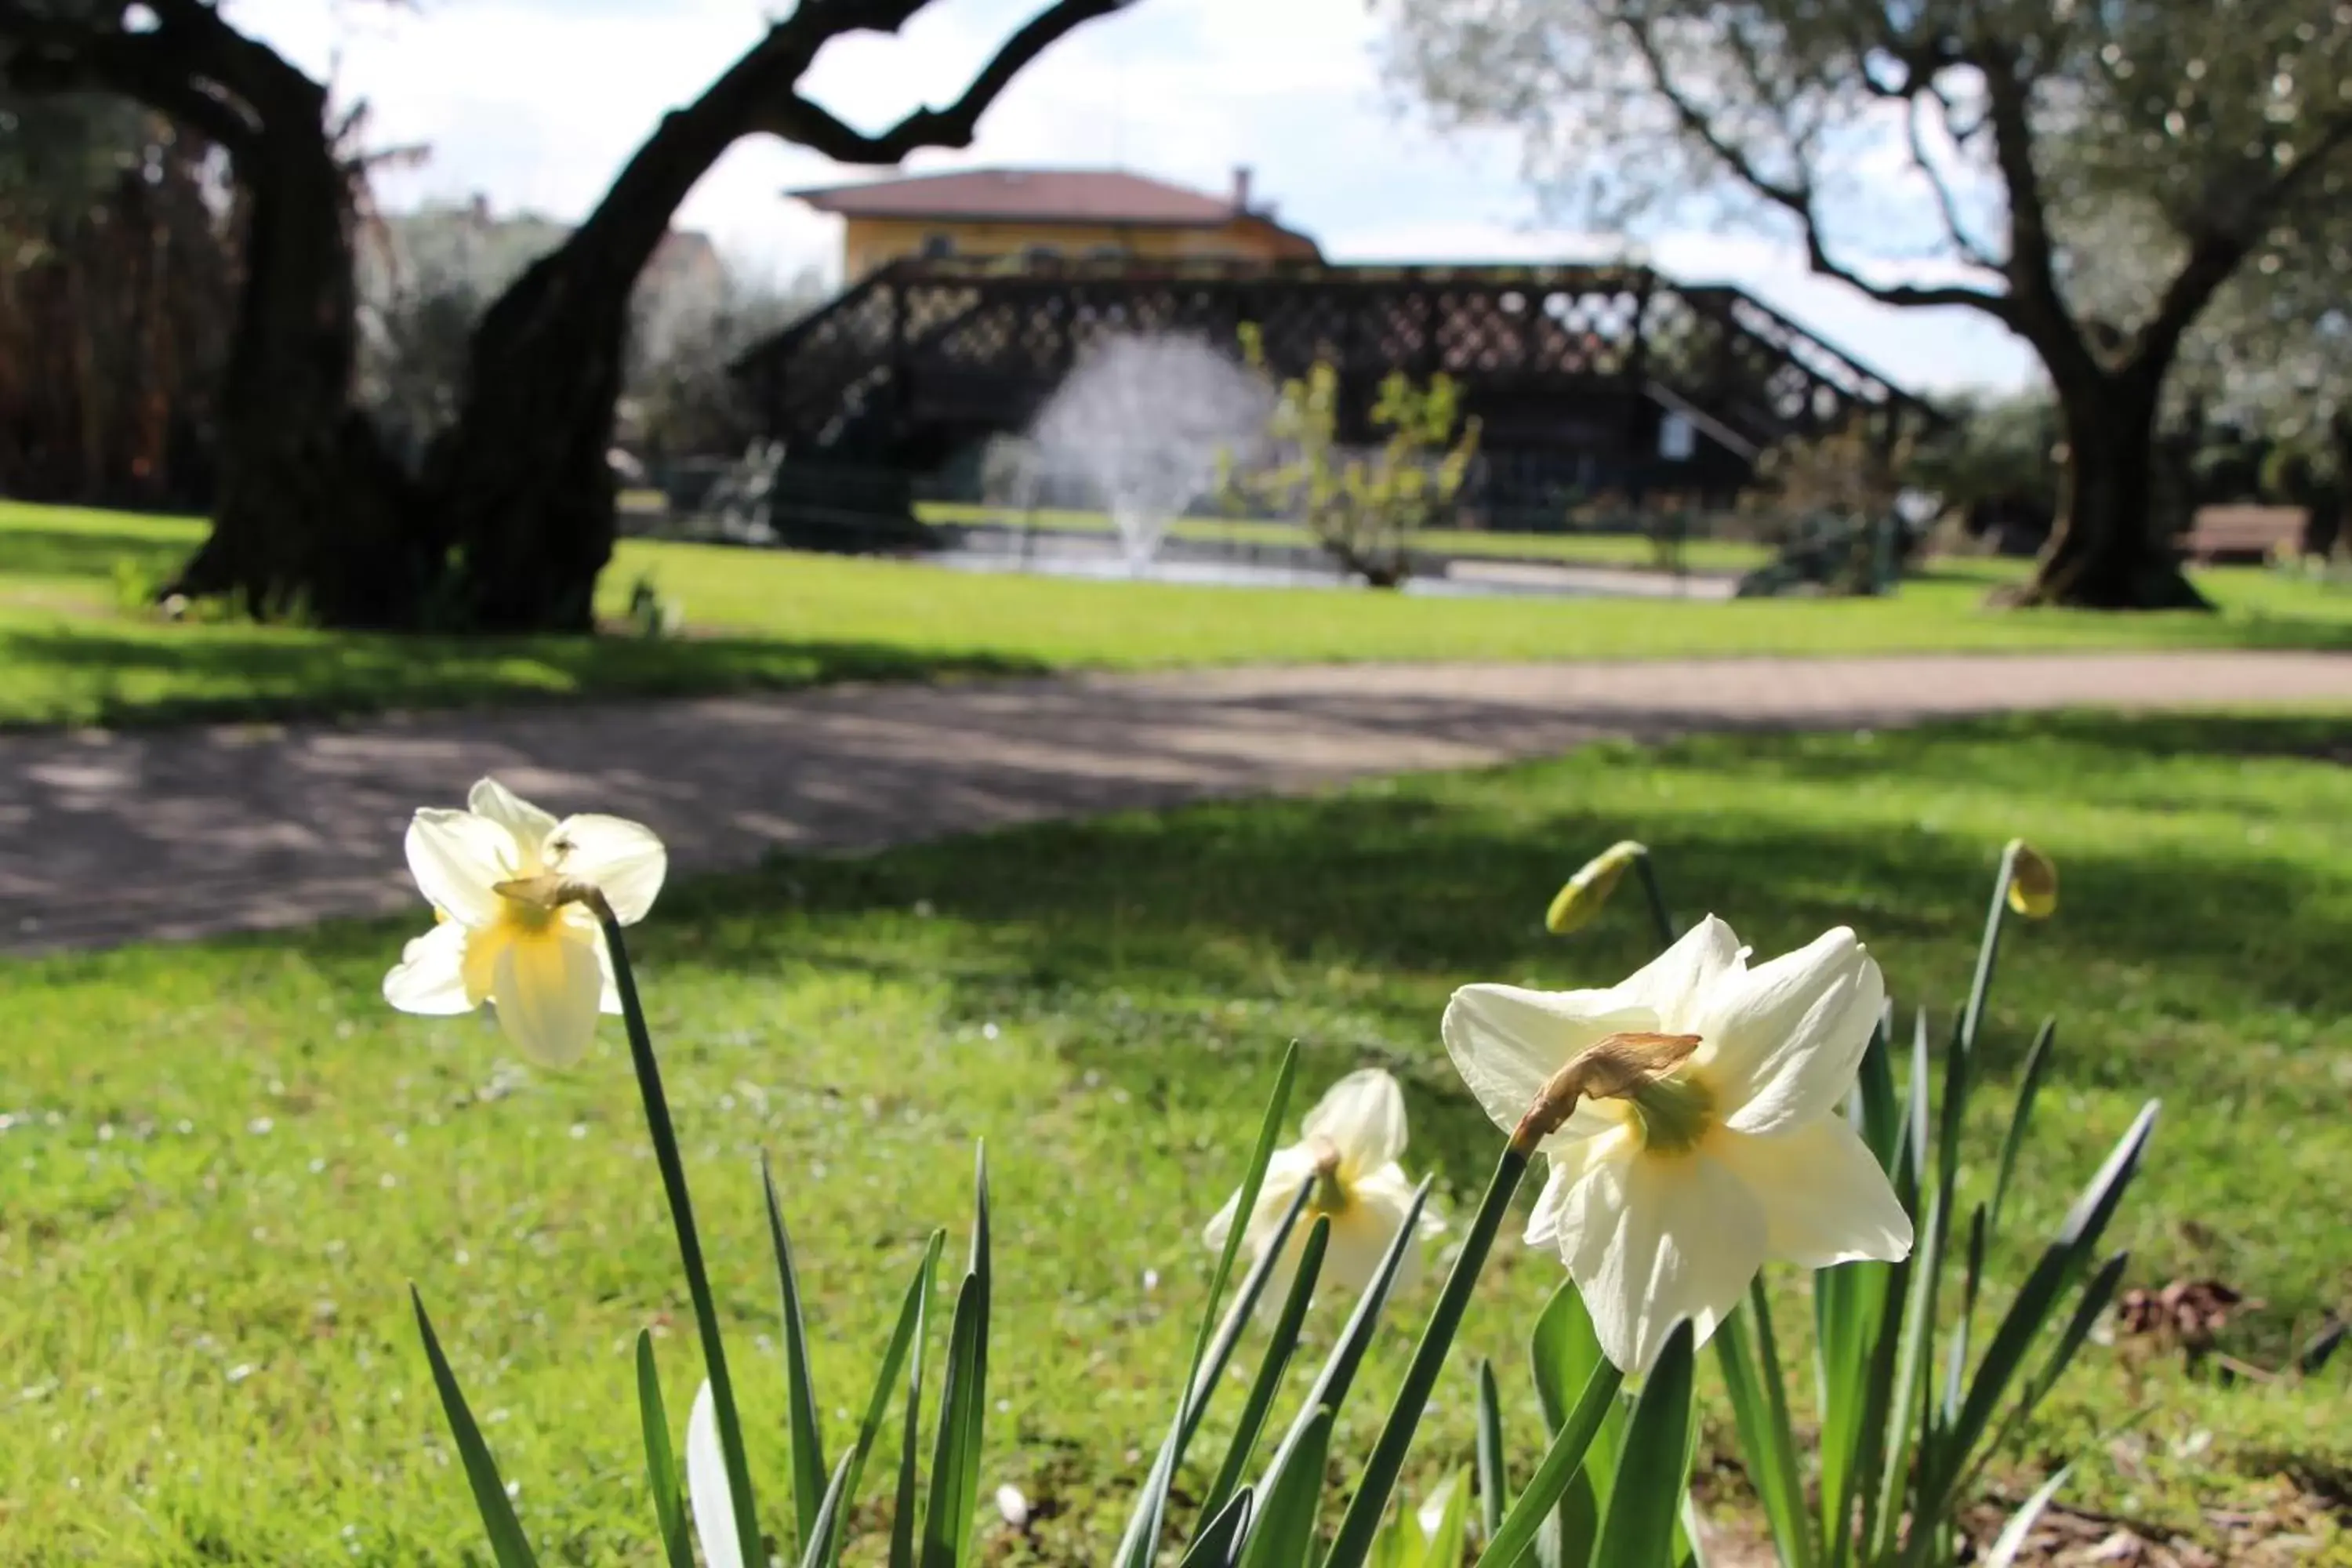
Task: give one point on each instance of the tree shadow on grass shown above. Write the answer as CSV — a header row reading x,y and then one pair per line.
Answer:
x,y
1348,920
90,552
161,675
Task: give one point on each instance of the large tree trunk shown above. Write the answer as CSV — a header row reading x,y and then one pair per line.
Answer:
x,y
311,517
2337,539
521,479
2107,550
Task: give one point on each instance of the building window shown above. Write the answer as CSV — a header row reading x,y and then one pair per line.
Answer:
x,y
937,247
1046,255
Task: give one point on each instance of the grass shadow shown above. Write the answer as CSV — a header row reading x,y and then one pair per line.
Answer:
x,y
1345,919
87,552
167,674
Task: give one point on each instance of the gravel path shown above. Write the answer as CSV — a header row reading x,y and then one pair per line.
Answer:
x,y
115,836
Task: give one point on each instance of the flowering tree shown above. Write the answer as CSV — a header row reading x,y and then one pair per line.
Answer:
x,y
512,516
2014,133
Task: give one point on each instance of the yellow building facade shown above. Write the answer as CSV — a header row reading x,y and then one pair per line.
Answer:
x,y
1051,215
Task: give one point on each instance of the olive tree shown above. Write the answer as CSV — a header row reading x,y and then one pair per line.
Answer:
x,y
510,517
1979,154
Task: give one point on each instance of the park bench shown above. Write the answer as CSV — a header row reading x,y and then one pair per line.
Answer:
x,y
2220,533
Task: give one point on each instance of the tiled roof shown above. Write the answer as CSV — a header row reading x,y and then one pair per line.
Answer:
x,y
1028,196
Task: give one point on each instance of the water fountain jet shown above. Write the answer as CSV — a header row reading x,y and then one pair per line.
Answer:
x,y
1144,420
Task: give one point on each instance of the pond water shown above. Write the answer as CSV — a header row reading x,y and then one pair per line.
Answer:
x,y
1192,564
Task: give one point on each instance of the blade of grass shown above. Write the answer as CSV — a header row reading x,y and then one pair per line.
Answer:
x,y
1237,1318
1493,1482
903,1336
808,1439
1906,1435
903,1524
823,1549
1361,1520
963,1402
1859,1479
661,1460
2060,1262
1140,1542
1988,951
1446,1544
1956,1354
1566,1354
1339,1374
2029,1088
1280,1346
2093,1301
1751,1375
508,1545
1219,1544
2012,1540
1561,1465
1881,1119
1645,1504
1283,1533
947,1520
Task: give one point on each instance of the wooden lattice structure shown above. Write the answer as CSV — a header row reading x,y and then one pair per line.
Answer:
x,y
1571,371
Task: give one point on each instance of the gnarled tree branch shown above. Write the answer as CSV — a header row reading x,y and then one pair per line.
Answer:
x,y
798,120
1947,204
142,67
1796,198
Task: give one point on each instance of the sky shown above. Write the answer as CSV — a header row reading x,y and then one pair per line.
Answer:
x,y
535,104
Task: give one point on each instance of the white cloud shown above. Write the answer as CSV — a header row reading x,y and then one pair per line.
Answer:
x,y
538,103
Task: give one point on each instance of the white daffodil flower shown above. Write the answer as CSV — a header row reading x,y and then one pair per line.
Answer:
x,y
708,1495
1670,1188
1348,1150
545,969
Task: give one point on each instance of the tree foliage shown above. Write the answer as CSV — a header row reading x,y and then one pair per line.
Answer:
x,y
118,269
2089,172
1365,506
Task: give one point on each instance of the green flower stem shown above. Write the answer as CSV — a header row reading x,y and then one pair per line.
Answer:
x,y
1988,950
1361,1523
1660,916
689,1244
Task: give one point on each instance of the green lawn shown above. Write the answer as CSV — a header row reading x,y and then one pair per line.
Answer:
x,y
225,1161
769,619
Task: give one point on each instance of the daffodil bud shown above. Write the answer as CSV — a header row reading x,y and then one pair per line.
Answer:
x,y
2033,881
1589,890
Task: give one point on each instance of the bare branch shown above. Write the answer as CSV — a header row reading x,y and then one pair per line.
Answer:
x,y
796,119
2218,252
1797,199
1968,246
53,56
2032,269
